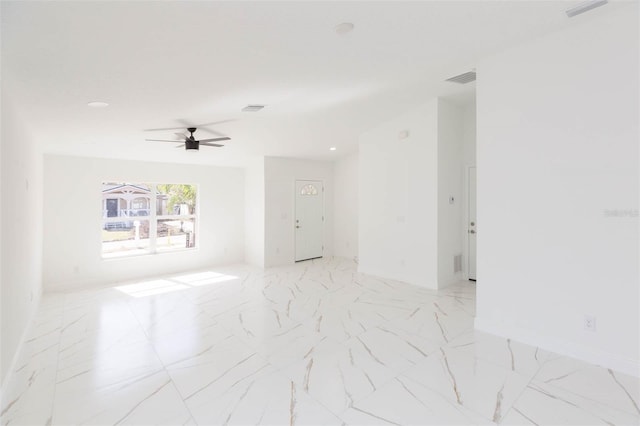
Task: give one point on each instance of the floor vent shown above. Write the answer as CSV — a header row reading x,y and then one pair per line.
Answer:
x,y
465,78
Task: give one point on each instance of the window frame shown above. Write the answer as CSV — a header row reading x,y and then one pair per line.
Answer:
x,y
153,218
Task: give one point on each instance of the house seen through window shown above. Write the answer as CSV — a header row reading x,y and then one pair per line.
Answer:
x,y
143,218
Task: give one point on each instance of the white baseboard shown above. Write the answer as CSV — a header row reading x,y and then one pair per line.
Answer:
x,y
4,388
560,346
373,271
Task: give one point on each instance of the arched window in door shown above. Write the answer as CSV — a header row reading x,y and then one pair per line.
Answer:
x,y
309,190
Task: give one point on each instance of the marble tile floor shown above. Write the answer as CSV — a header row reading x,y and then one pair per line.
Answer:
x,y
310,344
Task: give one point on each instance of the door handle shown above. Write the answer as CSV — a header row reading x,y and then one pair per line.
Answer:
x,y
297,226
472,231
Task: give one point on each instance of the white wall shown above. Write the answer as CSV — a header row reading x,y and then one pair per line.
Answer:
x,y
21,225
469,134
468,160
345,230
280,177
254,212
557,153
450,178
72,219
398,189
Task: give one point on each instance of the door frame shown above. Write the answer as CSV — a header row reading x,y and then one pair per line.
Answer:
x,y
465,218
295,213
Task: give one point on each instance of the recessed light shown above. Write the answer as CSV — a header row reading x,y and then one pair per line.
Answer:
x,y
585,7
98,104
333,148
344,28
403,134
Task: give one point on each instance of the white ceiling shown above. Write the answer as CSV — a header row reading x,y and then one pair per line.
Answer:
x,y
160,62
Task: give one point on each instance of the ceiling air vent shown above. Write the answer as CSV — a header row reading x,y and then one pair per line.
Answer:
x,y
252,108
465,78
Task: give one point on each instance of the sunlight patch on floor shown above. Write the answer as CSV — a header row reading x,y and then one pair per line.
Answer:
x,y
181,282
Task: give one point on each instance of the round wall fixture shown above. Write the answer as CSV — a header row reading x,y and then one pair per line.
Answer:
x,y
344,28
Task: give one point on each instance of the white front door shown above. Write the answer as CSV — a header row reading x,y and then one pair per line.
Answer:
x,y
472,225
309,219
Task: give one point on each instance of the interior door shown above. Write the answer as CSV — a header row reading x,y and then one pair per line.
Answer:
x,y
472,228
309,219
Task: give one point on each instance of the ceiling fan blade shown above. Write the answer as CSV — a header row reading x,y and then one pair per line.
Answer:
x,y
211,131
206,129
204,126
225,138
210,144
213,123
181,136
180,146
166,128
187,124
162,140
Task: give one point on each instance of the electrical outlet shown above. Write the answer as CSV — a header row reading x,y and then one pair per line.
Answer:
x,y
590,323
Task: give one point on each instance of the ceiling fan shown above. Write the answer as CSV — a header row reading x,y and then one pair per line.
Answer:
x,y
190,142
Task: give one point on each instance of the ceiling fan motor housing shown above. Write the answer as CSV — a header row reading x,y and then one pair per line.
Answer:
x,y
191,144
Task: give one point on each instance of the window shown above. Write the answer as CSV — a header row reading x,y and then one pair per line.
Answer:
x,y
308,190
132,224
